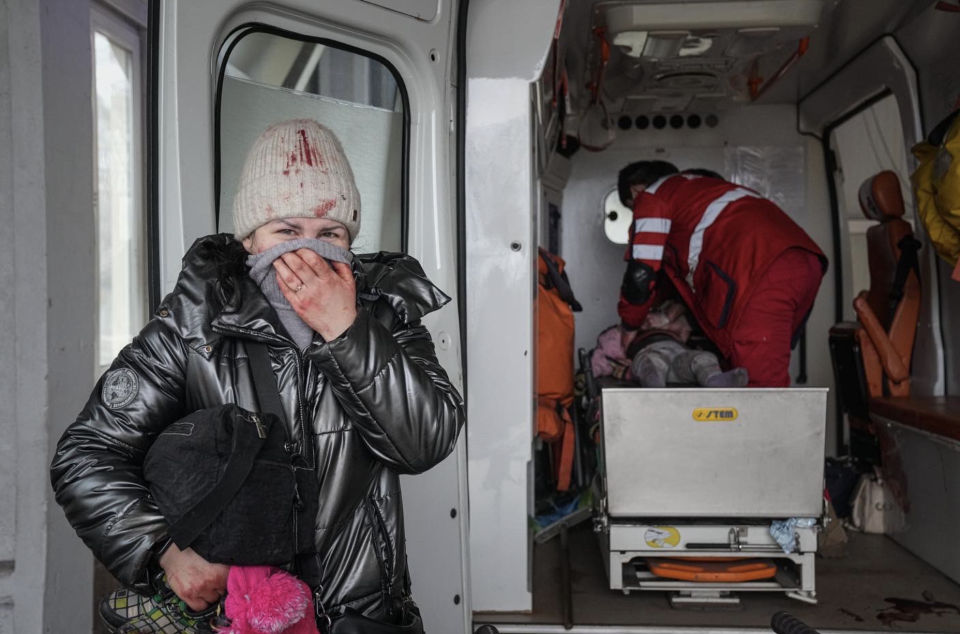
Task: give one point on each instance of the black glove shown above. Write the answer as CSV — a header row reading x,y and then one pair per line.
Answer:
x,y
638,283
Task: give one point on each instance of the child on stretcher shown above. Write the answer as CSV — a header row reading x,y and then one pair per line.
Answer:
x,y
659,354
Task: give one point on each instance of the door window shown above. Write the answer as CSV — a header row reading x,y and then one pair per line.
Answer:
x,y
865,145
271,77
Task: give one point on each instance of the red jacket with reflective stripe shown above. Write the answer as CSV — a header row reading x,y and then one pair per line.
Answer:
x,y
713,239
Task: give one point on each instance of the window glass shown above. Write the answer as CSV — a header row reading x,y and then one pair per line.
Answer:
x,y
270,78
868,143
120,245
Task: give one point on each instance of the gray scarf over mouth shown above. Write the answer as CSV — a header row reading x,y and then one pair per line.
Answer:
x,y
263,273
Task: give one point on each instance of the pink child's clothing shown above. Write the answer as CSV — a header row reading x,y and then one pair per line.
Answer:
x,y
608,358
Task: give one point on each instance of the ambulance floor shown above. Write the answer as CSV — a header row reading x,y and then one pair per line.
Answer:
x,y
878,587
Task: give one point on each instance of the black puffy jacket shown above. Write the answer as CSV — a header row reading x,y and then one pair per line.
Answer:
x,y
365,407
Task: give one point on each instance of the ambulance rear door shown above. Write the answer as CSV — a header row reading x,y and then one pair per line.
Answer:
x,y
379,73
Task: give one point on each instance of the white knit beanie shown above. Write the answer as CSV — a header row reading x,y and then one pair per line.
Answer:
x,y
296,169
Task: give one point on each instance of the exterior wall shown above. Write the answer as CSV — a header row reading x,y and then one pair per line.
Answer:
x,y
23,281
71,282
46,302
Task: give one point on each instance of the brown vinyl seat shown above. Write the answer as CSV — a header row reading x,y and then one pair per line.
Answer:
x,y
871,358
888,323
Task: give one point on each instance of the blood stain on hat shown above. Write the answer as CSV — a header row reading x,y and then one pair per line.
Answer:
x,y
308,152
323,208
291,162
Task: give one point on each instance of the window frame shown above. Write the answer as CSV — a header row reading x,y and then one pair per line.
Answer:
x,y
127,31
242,31
844,220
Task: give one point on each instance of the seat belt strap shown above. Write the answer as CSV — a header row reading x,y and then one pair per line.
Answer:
x,y
908,262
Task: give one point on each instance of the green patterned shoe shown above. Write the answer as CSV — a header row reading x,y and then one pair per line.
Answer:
x,y
127,612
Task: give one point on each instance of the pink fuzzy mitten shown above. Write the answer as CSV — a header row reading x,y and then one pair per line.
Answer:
x,y
267,600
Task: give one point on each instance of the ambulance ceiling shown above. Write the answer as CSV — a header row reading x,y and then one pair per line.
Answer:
x,y
666,57
706,55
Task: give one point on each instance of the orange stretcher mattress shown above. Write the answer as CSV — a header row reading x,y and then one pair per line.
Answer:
x,y
712,571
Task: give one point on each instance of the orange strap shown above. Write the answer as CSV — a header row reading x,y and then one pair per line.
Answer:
x,y
567,448
554,424
550,419
893,364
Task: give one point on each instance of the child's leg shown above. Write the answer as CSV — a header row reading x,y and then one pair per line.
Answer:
x,y
704,368
650,368
736,377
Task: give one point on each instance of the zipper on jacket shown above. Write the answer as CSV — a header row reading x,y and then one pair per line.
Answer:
x,y
385,534
386,579
296,527
297,500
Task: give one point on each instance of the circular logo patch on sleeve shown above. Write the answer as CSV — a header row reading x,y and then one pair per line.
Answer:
x,y
119,388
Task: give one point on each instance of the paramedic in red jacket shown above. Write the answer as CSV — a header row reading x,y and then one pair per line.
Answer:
x,y
747,272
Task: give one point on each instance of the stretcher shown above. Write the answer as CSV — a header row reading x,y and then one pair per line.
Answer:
x,y
691,481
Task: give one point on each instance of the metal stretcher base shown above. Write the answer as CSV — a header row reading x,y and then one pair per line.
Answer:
x,y
722,465
627,569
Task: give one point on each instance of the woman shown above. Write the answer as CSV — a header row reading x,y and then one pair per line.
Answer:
x,y
363,394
